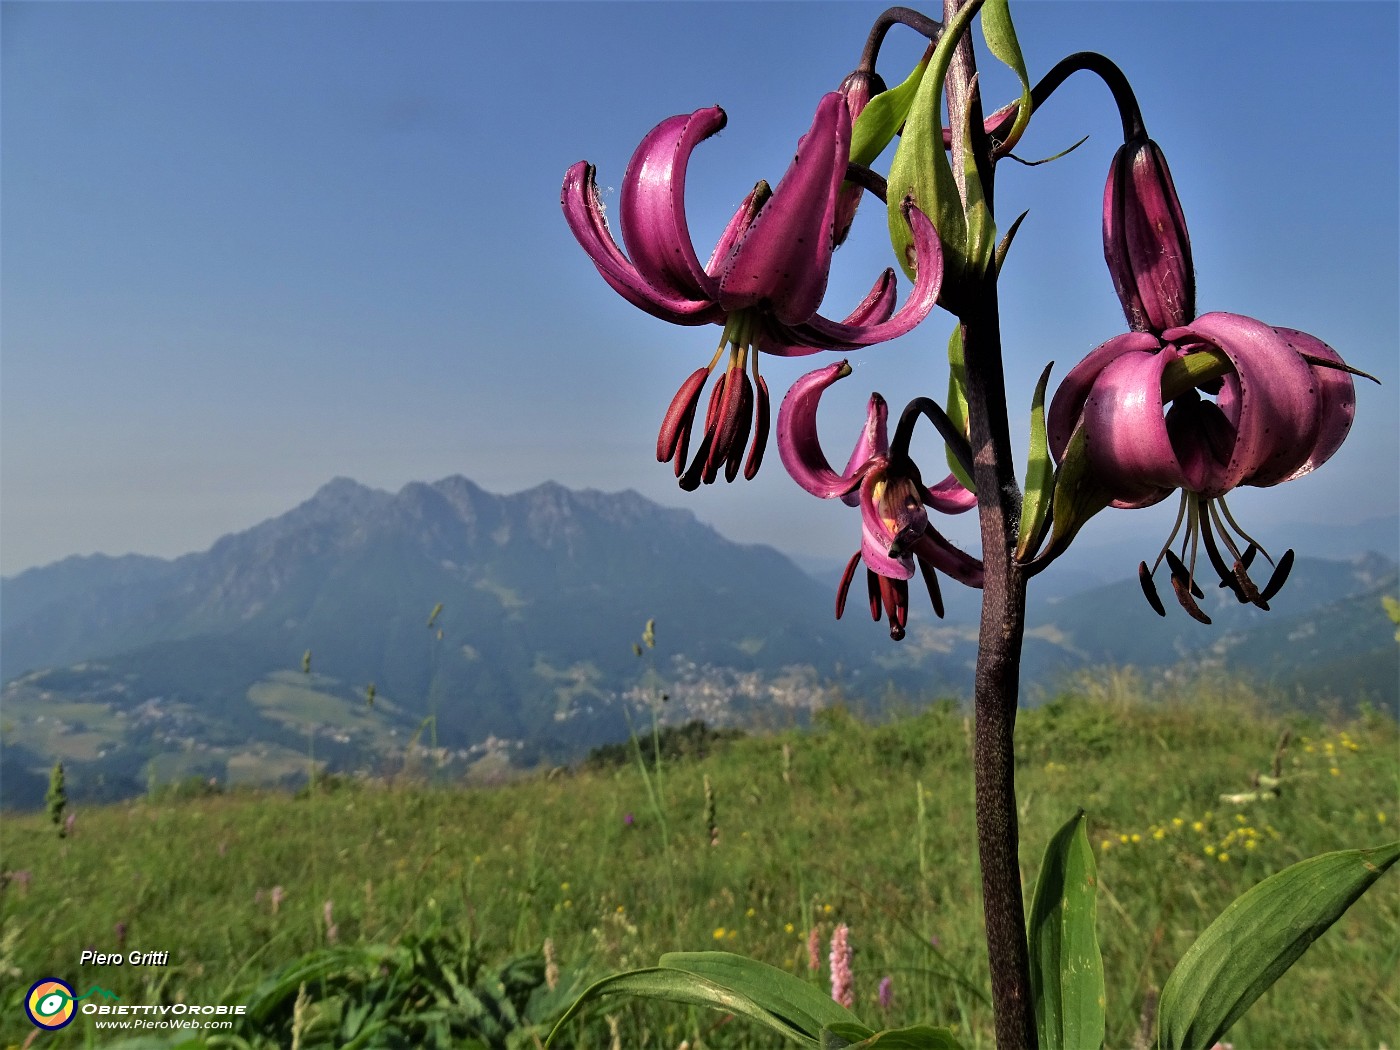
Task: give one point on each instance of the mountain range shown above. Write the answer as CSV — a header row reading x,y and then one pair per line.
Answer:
x,y
445,625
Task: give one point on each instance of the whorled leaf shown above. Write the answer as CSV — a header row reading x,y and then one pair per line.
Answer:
x,y
981,227
1040,475
1256,939
920,168
1000,36
883,116
957,403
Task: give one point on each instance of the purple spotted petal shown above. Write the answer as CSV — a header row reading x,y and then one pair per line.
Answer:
x,y
1068,402
877,306
1127,439
933,548
922,299
584,213
873,441
1336,399
738,226
1273,403
798,445
949,496
785,257
653,205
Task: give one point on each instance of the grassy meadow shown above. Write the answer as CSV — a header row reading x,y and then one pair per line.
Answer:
x,y
372,914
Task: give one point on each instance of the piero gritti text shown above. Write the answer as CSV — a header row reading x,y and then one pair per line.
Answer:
x,y
92,958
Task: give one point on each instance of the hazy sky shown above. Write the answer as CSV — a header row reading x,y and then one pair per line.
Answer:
x,y
249,247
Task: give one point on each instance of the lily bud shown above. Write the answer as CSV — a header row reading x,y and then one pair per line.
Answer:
x,y
858,89
1145,241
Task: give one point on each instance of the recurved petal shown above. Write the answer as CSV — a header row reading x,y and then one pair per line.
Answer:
x,y
1272,403
934,548
1336,392
922,299
873,441
798,445
1128,444
784,341
949,496
1068,402
653,204
583,211
785,257
738,226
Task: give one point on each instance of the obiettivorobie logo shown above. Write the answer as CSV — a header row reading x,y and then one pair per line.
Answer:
x,y
50,1003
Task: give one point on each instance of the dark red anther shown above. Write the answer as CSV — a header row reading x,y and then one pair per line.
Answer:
x,y
1150,589
845,586
1280,576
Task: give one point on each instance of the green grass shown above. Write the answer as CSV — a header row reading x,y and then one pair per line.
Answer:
x,y
867,825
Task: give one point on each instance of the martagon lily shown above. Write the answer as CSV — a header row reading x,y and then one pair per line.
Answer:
x,y
884,482
1283,403
763,283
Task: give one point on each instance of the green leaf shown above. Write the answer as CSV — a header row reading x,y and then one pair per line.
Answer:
x,y
677,986
981,228
1000,36
774,990
920,167
1077,496
1004,245
1040,475
842,1036
764,994
919,1037
1256,939
1066,968
879,122
957,403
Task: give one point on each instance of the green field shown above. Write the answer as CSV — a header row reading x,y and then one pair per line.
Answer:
x,y
434,888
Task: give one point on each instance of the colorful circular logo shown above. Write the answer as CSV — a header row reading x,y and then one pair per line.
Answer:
x,y
49,1003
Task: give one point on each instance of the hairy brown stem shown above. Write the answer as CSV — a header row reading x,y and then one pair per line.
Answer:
x,y
997,680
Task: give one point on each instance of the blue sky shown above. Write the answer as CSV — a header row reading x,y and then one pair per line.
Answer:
x,y
249,247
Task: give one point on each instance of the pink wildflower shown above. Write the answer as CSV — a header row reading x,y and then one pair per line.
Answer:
x,y
886,992
814,950
841,989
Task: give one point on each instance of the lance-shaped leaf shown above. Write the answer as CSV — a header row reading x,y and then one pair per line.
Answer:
x,y
763,994
919,1037
981,228
957,403
1000,36
1066,968
883,116
920,168
774,990
1040,476
1258,937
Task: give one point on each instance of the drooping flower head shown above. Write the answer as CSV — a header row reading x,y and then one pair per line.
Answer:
x,y
1205,407
1145,241
885,484
763,283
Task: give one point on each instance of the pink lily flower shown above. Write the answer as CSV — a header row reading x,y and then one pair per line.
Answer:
x,y
885,483
763,283
1283,403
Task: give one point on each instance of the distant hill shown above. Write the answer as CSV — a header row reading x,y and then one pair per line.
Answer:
x,y
136,670
140,667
